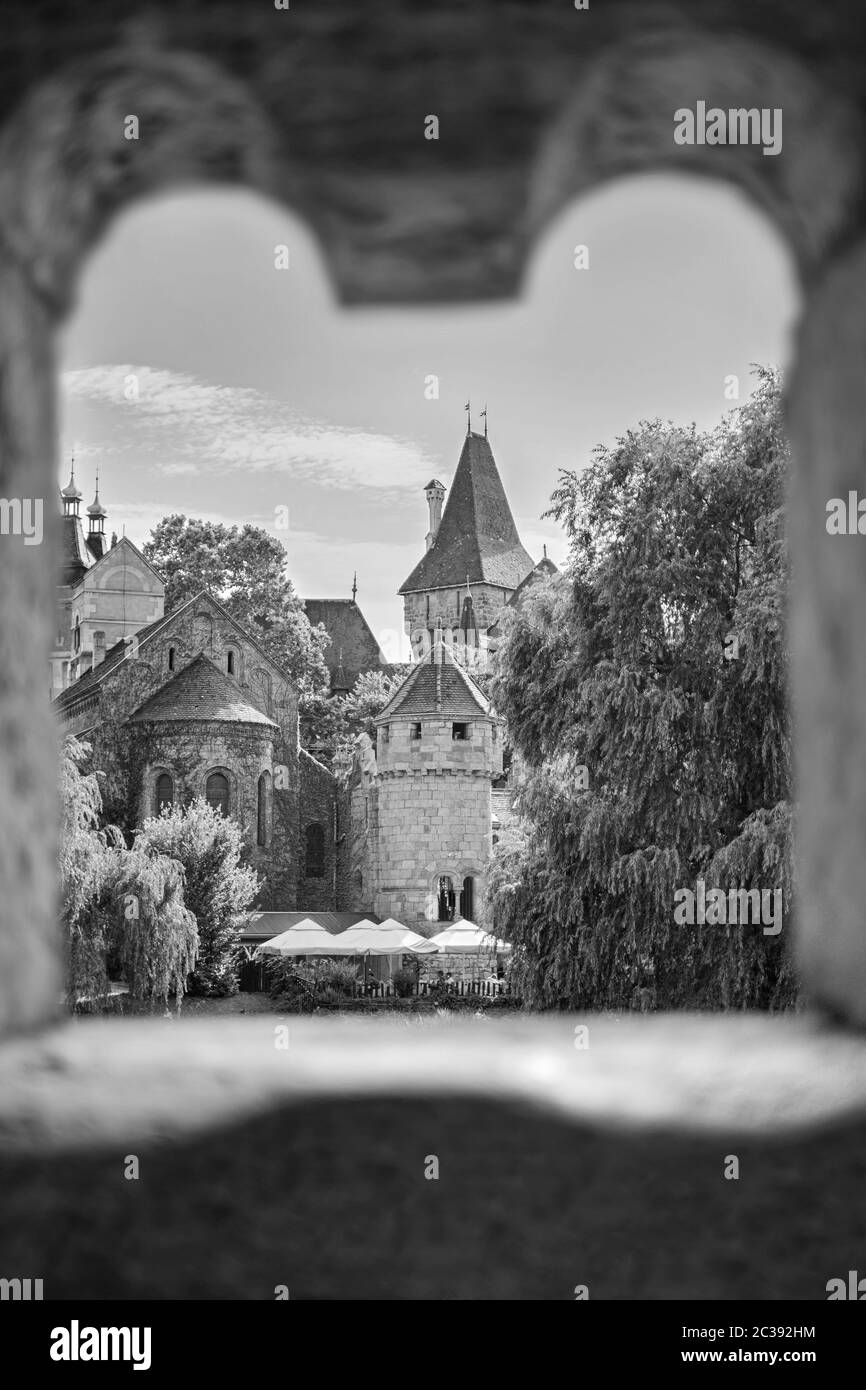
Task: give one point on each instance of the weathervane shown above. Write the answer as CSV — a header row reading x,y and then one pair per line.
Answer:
x,y
468,417
484,418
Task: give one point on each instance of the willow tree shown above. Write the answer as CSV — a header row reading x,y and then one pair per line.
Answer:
x,y
218,886
117,904
644,691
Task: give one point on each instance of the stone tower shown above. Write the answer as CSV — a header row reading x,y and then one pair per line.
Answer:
x,y
422,810
474,560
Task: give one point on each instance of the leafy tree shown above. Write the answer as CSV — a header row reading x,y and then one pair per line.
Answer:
x,y
85,859
117,904
218,887
330,725
159,938
620,666
245,568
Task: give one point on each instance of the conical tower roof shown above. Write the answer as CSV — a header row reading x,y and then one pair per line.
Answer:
x,y
200,692
438,685
477,537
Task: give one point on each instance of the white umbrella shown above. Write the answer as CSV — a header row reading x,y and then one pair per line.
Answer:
x,y
306,938
464,937
389,938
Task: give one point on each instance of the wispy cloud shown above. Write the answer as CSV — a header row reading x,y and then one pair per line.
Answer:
x,y
198,427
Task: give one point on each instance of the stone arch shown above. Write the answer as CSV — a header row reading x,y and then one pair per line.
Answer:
x,y
620,121
66,167
235,808
203,631
155,788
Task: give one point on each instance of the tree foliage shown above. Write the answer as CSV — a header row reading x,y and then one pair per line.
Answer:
x,y
120,905
218,887
620,665
245,568
330,724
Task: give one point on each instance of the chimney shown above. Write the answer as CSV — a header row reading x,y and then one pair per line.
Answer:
x,y
435,494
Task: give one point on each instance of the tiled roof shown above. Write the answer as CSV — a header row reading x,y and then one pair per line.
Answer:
x,y
437,687
201,691
353,646
268,924
477,537
86,684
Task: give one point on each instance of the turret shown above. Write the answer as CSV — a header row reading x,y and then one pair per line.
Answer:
x,y
71,495
435,494
96,525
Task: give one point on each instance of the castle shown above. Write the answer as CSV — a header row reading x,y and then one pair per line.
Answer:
x,y
188,703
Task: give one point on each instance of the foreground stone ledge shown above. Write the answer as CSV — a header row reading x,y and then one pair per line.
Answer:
x,y
92,1082
558,1166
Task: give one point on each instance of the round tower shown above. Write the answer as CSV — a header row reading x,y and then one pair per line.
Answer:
x,y
438,749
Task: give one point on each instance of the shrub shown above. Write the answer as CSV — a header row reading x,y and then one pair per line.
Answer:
x,y
405,981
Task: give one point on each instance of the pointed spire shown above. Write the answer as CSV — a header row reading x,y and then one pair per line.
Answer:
x,y
70,494
96,511
354,592
339,680
545,552
477,530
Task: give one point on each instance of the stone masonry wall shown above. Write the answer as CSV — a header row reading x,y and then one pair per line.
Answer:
x,y
190,751
317,801
433,814
488,602
361,849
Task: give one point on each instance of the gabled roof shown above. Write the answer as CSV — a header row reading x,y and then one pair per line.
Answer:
x,y
353,646
125,542
87,683
438,685
201,691
268,924
477,537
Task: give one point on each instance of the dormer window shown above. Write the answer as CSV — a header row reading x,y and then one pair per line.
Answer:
x,y
415,733
460,733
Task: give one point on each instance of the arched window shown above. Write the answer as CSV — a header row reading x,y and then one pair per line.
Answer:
x,y
230,662
315,865
467,899
217,792
445,898
171,658
262,817
164,792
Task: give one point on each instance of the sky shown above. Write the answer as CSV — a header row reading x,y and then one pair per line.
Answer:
x,y
200,379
